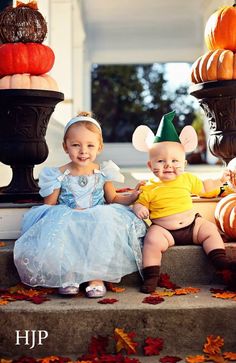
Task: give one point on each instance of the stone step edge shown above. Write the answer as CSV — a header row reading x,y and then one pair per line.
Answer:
x,y
197,315
184,264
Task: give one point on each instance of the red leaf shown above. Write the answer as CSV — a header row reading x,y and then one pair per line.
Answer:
x,y
154,300
38,299
169,359
164,281
131,360
25,360
107,301
153,346
87,358
216,291
98,345
109,358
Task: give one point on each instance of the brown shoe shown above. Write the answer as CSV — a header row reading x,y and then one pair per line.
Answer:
x,y
150,279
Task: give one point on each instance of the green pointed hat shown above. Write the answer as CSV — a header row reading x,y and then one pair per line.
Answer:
x,y
166,130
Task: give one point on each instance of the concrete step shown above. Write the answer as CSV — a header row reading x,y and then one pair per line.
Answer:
x,y
184,264
183,322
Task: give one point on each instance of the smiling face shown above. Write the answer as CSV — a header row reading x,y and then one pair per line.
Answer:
x,y
167,160
82,144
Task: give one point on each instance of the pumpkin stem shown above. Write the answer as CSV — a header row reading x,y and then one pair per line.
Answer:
x,y
234,3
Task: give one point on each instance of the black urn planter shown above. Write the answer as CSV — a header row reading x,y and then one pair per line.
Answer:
x,y
218,100
24,117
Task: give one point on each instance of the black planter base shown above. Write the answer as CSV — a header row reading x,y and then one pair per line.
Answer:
x,y
218,101
17,197
24,117
23,187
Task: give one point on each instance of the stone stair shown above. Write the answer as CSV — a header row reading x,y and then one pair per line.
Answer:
x,y
183,322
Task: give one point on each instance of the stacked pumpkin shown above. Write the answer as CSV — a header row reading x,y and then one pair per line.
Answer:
x,y
219,63
225,212
24,60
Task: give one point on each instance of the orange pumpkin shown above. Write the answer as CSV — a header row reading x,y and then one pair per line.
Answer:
x,y
225,215
220,30
33,58
26,81
214,65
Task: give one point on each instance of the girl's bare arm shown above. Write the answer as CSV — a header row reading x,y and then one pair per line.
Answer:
x,y
52,198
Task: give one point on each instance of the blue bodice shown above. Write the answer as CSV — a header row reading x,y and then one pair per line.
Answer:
x,y
79,191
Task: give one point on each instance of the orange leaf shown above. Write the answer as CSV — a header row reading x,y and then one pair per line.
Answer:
x,y
224,295
195,359
2,244
5,360
217,358
111,287
15,288
187,290
213,345
3,302
124,341
118,289
29,292
229,355
50,359
163,293
32,4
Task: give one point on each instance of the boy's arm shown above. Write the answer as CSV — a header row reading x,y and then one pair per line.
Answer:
x,y
211,184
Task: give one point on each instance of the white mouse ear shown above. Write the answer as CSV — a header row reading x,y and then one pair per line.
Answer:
x,y
188,138
143,138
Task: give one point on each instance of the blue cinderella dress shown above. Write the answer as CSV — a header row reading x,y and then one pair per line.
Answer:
x,y
61,246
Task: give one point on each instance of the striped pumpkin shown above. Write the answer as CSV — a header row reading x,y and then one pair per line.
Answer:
x,y
214,65
225,215
26,81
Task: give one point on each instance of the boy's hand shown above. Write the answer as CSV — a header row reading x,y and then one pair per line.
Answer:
x,y
233,178
141,211
226,176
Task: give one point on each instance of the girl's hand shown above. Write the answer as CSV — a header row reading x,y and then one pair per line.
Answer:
x,y
140,184
135,193
141,211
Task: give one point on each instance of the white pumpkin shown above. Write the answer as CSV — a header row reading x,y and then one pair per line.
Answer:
x,y
26,81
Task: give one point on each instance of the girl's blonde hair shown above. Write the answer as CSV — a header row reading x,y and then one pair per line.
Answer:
x,y
89,125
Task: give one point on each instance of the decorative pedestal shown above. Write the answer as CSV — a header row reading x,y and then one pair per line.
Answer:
x,y
24,117
218,100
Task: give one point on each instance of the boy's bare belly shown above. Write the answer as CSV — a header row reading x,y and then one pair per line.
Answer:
x,y
175,221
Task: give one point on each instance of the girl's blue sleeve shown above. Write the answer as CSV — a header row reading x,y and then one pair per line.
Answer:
x,y
49,180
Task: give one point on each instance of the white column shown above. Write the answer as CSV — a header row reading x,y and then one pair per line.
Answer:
x,y
81,66
72,68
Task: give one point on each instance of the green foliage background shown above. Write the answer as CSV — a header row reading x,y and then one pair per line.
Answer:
x,y
125,96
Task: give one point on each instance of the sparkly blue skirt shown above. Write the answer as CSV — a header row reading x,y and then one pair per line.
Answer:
x,y
61,246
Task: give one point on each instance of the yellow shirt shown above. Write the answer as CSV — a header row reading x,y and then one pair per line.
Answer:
x,y
164,198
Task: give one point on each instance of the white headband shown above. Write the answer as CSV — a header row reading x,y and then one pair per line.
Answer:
x,y
79,119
